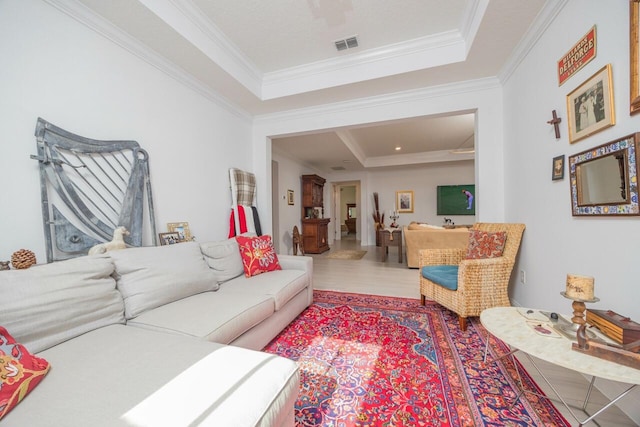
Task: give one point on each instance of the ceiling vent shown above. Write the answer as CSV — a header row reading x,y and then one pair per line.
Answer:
x,y
348,43
338,168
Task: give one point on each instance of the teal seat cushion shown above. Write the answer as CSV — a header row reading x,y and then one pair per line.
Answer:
x,y
443,275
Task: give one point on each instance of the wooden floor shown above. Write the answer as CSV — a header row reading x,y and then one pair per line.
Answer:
x,y
371,276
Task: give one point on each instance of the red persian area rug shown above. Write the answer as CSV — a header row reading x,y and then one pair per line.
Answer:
x,y
380,361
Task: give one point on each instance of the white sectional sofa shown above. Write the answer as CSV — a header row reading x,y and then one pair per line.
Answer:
x,y
156,336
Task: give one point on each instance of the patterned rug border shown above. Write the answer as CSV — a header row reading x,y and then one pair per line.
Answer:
x,y
506,367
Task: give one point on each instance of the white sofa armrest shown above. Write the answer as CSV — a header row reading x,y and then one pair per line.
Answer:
x,y
292,262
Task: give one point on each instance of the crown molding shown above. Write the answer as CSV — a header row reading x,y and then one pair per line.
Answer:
x,y
545,18
389,100
185,18
103,27
471,20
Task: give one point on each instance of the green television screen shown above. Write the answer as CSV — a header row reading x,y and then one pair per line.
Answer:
x,y
457,199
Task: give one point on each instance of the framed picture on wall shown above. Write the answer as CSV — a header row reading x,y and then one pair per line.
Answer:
x,y
557,168
404,201
290,197
590,105
634,56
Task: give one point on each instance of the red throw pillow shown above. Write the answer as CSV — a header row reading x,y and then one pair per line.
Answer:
x,y
20,372
484,244
258,255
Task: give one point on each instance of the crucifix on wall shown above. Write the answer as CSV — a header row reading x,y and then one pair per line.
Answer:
x,y
556,123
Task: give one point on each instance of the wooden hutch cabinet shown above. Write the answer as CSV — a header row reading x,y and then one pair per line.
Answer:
x,y
315,228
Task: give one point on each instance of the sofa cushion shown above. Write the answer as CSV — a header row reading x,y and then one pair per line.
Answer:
x,y
122,376
485,244
20,372
149,277
213,316
223,258
258,255
281,285
47,304
443,275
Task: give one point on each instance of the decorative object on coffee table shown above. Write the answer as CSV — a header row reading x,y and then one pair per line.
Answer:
x,y
22,259
619,328
580,290
4,265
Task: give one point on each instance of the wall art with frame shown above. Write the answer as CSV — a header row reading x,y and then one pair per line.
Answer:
x,y
634,57
590,105
404,201
557,168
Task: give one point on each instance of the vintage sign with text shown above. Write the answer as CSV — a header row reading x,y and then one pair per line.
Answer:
x,y
578,56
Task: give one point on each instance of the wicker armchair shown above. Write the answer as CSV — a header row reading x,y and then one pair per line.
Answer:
x,y
482,283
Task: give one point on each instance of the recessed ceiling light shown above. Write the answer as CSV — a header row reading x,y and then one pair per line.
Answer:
x,y
398,148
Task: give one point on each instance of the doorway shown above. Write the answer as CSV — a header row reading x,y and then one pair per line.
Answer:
x,y
346,208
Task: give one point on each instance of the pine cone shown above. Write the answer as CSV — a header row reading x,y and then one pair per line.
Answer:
x,y
23,258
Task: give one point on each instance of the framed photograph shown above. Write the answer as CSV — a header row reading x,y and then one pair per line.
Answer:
x,y
634,57
182,228
456,199
404,201
290,197
557,168
170,238
590,106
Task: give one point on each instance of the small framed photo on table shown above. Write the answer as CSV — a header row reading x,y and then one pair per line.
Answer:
x,y
182,228
170,238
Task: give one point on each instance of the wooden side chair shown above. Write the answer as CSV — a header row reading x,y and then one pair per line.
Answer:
x,y
468,286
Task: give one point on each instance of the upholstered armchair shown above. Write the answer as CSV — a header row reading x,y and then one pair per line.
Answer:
x,y
468,286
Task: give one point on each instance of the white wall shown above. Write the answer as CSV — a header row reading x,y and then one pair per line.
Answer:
x,y
555,243
289,173
58,69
